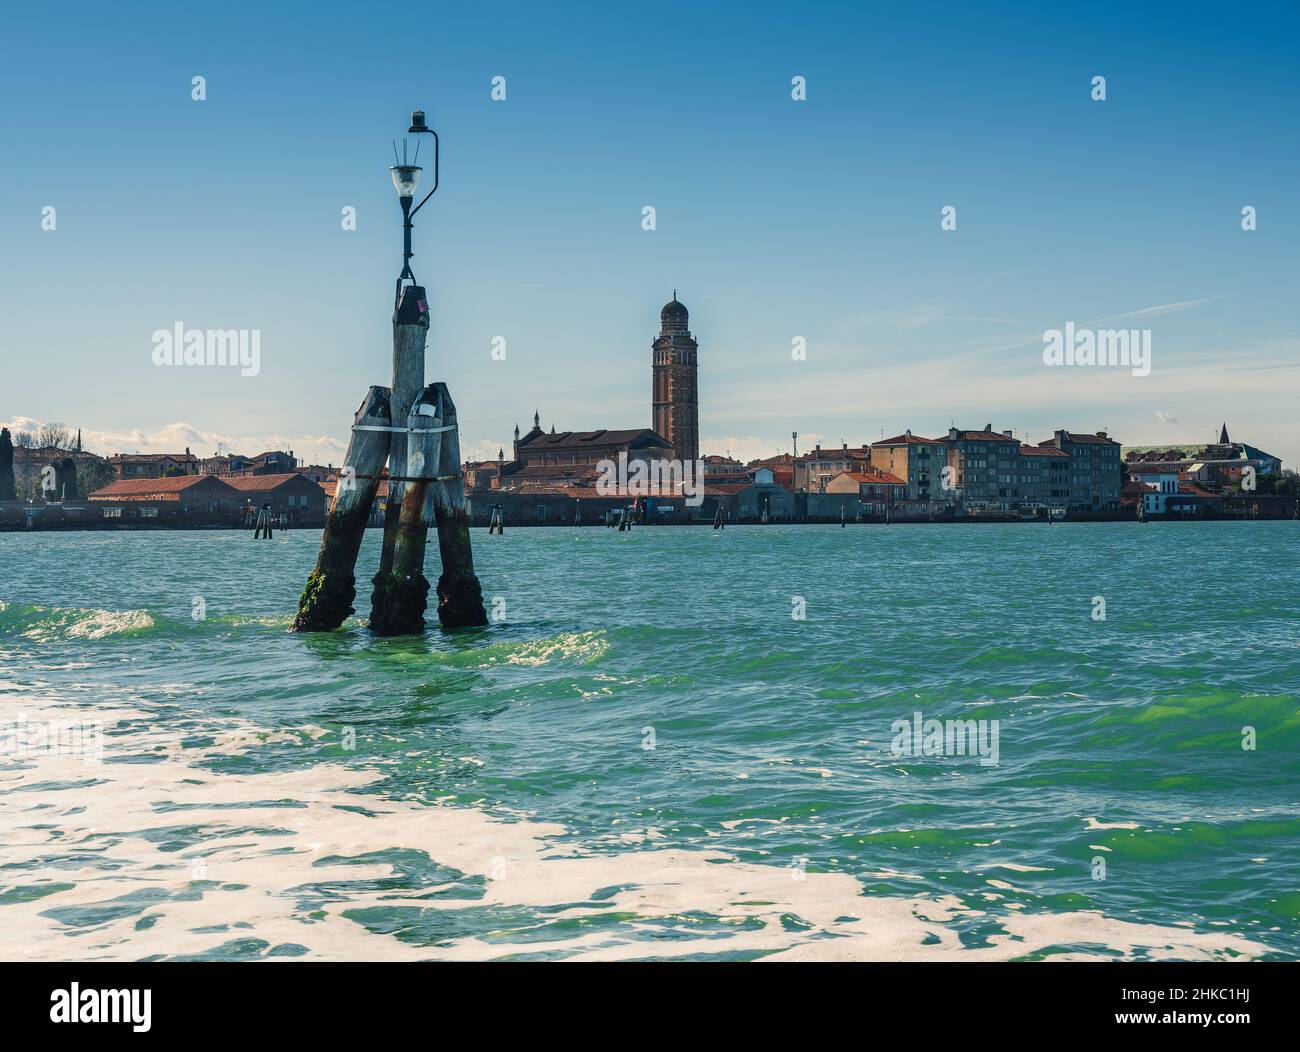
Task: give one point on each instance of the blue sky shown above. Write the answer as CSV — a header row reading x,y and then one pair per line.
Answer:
x,y
776,219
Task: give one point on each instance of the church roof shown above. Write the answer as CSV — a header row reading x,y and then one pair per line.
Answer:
x,y
573,440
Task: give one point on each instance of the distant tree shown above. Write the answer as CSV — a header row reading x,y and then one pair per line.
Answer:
x,y
66,476
1286,484
95,474
53,434
24,439
6,465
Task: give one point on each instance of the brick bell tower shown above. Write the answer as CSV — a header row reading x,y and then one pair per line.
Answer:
x,y
675,407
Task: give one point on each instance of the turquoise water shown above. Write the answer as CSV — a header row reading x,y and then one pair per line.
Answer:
x,y
229,742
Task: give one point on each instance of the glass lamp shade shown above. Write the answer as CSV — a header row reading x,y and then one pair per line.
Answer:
x,y
405,178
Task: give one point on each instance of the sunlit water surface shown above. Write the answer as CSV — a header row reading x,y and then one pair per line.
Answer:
x,y
492,794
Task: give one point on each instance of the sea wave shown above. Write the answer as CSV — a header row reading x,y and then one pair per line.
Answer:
x,y
180,859
48,624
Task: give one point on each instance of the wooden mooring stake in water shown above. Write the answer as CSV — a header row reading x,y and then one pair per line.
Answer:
x,y
262,528
497,522
413,428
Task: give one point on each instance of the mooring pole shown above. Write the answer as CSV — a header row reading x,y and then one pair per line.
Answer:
x,y
460,596
399,611
327,600
410,331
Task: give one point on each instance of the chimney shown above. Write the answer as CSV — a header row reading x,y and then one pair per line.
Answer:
x,y
908,432
988,427
1060,439
819,449
1008,433
1101,434
953,434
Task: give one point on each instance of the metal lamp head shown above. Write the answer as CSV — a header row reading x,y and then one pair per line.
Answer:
x,y
417,123
405,179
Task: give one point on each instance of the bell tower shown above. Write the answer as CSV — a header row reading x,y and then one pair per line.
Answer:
x,y
675,409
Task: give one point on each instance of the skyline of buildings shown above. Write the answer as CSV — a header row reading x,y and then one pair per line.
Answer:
x,y
967,472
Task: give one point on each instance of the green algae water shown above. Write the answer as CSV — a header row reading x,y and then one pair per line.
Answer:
x,y
672,743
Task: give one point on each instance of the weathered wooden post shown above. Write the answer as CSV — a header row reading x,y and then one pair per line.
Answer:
x,y
327,600
460,596
410,331
398,609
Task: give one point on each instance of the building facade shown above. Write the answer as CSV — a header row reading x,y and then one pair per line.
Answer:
x,y
985,469
1095,474
570,458
917,461
814,470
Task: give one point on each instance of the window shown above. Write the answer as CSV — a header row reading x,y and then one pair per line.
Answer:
x,y
148,513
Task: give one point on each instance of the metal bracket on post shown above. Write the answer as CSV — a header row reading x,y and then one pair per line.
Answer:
x,y
403,430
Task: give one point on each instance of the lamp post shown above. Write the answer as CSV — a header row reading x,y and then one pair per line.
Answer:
x,y
406,177
413,428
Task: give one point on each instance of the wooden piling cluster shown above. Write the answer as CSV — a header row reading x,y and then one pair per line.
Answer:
x,y
262,525
413,428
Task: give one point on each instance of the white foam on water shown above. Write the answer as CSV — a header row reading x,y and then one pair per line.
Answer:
x,y
265,839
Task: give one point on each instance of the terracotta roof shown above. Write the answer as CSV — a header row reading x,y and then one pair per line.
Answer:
x,y
261,483
838,453
567,472
875,478
168,484
149,457
1042,451
986,436
908,439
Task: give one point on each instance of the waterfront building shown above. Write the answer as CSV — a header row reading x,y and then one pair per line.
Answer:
x,y
720,469
764,497
292,495
815,469
782,468
570,458
1043,483
985,469
877,490
153,465
917,461
30,462
1220,463
174,499
1095,473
